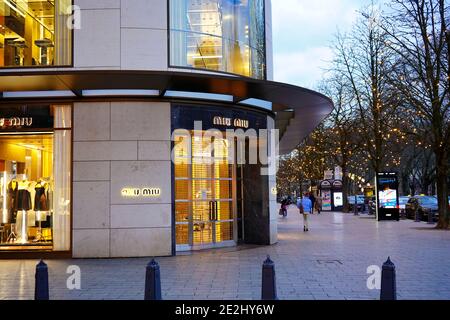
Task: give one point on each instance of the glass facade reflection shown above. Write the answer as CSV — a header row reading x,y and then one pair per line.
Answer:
x,y
35,33
219,35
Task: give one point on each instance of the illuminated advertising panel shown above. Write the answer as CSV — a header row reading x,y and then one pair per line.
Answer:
x,y
387,196
338,199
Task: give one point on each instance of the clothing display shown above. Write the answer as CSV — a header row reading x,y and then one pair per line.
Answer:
x,y
29,206
12,200
40,198
23,201
35,164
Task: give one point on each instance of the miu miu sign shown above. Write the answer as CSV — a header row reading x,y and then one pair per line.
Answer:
x,y
229,122
15,122
141,192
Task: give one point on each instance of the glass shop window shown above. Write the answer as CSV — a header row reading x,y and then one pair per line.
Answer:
x,y
218,35
35,166
35,33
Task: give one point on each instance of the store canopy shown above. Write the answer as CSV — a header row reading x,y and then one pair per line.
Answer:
x,y
298,110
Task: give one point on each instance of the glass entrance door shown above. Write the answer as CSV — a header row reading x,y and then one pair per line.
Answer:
x,y
204,193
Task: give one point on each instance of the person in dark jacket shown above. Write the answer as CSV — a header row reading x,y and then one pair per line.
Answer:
x,y
284,207
313,200
318,204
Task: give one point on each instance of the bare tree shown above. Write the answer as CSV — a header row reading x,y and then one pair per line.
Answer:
x,y
362,58
419,35
341,126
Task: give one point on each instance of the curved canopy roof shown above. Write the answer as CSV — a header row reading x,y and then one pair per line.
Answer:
x,y
298,110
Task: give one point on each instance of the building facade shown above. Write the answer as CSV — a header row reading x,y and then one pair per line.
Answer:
x,y
136,128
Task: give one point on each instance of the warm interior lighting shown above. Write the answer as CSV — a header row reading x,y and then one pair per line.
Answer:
x,y
206,57
16,9
35,33
24,133
5,199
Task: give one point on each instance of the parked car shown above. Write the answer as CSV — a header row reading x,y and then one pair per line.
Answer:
x,y
289,199
402,201
360,201
424,205
372,204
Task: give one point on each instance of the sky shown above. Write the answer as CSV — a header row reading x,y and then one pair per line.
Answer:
x,y
302,35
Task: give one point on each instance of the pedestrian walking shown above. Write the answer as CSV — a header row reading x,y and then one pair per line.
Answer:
x,y
284,206
313,201
305,206
319,204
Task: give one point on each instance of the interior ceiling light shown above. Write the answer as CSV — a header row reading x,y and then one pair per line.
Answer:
x,y
38,94
199,95
120,92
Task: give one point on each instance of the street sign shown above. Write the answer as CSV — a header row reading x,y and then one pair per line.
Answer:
x,y
328,175
338,173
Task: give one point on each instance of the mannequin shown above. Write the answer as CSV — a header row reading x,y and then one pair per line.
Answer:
x,y
40,206
12,204
49,195
40,197
23,196
12,199
23,204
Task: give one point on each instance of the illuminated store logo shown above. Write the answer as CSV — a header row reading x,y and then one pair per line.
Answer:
x,y
144,192
15,122
238,123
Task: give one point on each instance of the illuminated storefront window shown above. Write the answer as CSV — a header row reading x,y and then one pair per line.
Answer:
x,y
218,35
204,200
35,184
35,33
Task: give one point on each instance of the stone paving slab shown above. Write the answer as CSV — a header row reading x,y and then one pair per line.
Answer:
x,y
328,262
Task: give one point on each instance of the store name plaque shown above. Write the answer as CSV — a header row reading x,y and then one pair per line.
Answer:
x,y
238,123
15,122
141,192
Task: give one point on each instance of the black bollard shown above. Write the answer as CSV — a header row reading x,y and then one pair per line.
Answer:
x,y
269,288
41,291
388,281
152,282
417,216
430,217
355,208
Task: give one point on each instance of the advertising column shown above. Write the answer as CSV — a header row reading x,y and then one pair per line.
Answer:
x,y
338,196
325,190
387,196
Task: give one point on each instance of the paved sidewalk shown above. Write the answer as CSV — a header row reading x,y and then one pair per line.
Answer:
x,y
329,262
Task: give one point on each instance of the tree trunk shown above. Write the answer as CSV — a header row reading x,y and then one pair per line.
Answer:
x,y
442,188
345,190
